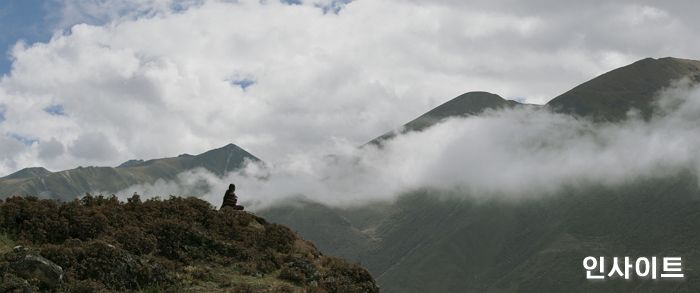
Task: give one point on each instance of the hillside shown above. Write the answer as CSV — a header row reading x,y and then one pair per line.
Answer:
x,y
437,241
610,96
69,184
346,232
179,244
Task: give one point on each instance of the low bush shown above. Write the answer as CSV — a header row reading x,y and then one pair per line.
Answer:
x,y
104,244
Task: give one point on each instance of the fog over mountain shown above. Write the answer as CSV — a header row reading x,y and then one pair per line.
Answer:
x,y
510,153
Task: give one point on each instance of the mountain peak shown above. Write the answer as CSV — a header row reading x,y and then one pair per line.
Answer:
x,y
231,146
28,173
467,104
610,96
130,163
224,159
463,105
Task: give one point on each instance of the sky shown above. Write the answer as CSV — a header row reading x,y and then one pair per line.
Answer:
x,y
22,20
99,82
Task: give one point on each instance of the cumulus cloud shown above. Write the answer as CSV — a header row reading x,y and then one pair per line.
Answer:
x,y
93,146
9,150
163,77
50,149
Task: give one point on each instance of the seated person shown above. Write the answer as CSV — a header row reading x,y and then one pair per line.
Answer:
x,y
230,198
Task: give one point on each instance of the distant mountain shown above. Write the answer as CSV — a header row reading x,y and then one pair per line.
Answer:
x,y
429,241
471,103
607,97
610,96
74,182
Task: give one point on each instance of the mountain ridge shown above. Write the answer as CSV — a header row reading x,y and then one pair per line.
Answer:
x,y
607,97
67,184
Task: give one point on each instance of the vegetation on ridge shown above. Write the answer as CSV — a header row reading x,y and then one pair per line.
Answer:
x,y
103,244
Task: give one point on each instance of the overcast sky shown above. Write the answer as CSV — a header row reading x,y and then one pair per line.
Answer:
x,y
98,82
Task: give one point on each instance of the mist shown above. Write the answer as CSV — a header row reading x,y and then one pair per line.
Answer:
x,y
509,154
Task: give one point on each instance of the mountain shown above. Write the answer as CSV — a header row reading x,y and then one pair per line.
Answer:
x,y
99,244
71,183
28,173
429,241
471,103
610,96
437,241
607,97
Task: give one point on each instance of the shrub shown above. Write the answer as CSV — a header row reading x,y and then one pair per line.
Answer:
x,y
103,244
135,240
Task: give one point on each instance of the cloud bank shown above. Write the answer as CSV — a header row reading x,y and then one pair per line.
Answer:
x,y
157,78
516,153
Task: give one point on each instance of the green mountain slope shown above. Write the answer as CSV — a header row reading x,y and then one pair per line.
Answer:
x,y
610,96
71,183
429,241
347,232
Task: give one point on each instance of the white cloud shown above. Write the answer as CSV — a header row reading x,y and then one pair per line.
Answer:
x,y
154,78
93,146
50,149
516,153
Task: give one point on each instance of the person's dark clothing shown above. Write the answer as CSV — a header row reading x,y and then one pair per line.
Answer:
x,y
230,199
